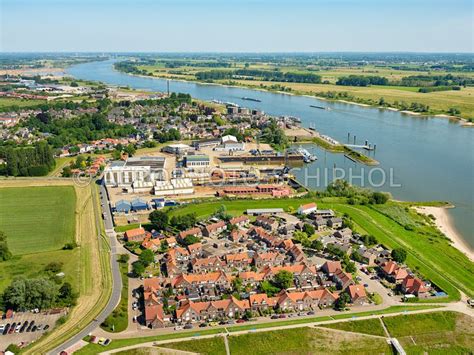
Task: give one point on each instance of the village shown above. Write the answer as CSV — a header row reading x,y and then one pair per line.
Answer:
x,y
230,270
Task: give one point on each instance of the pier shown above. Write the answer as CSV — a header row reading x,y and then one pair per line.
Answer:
x,y
366,147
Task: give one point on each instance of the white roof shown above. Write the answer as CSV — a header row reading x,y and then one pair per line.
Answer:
x,y
179,146
229,138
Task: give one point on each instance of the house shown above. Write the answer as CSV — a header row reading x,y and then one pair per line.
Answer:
x,y
267,223
209,280
368,256
345,233
414,286
211,264
239,221
260,301
307,208
195,249
193,231
251,278
287,244
342,279
393,272
357,294
335,222
303,274
239,261
303,300
155,317
330,267
135,235
323,214
215,229
320,223
297,254
261,260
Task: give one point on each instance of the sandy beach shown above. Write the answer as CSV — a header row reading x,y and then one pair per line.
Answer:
x,y
445,225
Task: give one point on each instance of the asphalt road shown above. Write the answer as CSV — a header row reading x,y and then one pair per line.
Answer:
x,y
116,277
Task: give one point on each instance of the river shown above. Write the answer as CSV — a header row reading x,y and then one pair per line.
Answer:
x,y
421,158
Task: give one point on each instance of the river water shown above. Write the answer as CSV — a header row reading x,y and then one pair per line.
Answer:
x,y
421,158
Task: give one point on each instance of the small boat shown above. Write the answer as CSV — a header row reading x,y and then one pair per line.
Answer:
x,y
320,107
251,99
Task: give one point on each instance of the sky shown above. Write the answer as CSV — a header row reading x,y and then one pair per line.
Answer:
x,y
236,25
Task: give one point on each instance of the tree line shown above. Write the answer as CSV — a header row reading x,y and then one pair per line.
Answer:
x,y
256,74
36,160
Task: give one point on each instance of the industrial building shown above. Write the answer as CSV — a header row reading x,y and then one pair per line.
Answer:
x,y
140,169
173,187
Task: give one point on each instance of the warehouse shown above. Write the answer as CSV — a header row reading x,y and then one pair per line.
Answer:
x,y
142,169
174,187
178,149
123,206
139,205
197,161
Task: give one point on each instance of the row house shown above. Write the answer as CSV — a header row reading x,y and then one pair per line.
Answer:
x,y
261,260
299,301
135,235
261,302
330,267
214,229
303,274
239,261
251,278
335,222
155,317
195,249
240,221
197,232
237,236
261,235
210,264
188,282
191,311
297,254
267,223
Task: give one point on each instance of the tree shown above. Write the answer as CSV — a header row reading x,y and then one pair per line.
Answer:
x,y
268,288
237,284
25,294
283,279
159,219
146,257
123,258
309,229
399,255
130,149
191,239
53,267
379,198
342,301
350,267
67,296
5,253
317,244
138,268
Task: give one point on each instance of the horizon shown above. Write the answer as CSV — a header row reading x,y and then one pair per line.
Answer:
x,y
183,26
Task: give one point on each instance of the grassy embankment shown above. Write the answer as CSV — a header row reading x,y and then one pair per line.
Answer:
x,y
439,102
86,267
118,320
120,343
393,224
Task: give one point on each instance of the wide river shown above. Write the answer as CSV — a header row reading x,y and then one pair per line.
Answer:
x,y
421,158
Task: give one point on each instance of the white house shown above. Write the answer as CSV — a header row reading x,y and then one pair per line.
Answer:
x,y
307,208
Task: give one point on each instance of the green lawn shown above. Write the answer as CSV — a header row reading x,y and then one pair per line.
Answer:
x,y
6,103
367,326
433,333
429,252
209,346
37,219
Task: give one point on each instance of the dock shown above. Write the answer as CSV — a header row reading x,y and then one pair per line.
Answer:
x,y
366,147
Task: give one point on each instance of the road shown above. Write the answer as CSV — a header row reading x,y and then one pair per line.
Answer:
x,y
116,276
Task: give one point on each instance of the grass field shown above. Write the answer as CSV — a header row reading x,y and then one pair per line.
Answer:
x,y
209,346
367,326
37,219
429,252
305,341
7,102
433,333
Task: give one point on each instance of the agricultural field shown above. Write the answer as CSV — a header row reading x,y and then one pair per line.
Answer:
x,y
7,102
439,102
37,219
393,224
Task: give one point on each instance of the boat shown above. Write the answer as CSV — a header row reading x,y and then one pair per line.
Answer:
x,y
320,107
251,99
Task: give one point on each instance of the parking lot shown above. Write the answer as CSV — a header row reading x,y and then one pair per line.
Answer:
x,y
30,333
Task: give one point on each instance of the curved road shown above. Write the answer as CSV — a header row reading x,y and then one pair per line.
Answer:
x,y
116,276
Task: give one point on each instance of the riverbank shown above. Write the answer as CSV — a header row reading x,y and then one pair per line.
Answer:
x,y
240,84
445,225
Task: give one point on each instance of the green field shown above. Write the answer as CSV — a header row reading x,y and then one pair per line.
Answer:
x,y
118,320
209,346
429,252
433,333
37,219
367,326
7,103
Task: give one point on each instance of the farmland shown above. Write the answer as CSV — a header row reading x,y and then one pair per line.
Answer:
x,y
37,219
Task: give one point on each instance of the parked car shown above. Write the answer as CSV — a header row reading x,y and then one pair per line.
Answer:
x,y
240,320
46,327
213,324
275,316
230,321
188,326
310,313
178,327
107,342
134,319
7,328
12,328
282,316
202,325
34,328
